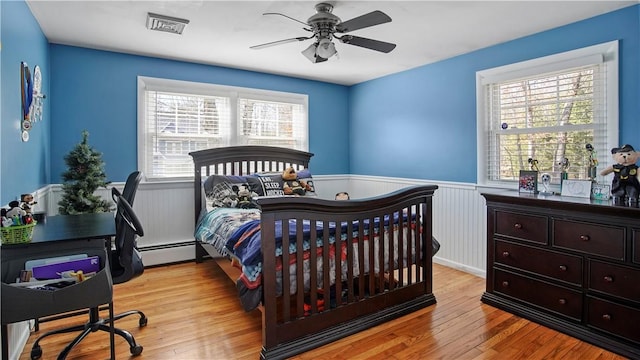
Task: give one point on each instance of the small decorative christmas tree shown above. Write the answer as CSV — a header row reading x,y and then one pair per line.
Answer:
x,y
84,176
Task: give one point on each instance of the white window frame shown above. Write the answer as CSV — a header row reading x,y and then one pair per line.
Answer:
x,y
605,52
187,87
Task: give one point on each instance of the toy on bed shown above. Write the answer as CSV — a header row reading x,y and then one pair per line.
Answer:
x,y
625,185
245,197
343,195
292,185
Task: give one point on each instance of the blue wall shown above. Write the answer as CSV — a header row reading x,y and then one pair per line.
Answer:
x,y
421,123
97,91
24,166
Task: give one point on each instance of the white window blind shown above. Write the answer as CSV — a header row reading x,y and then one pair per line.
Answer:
x,y
177,117
547,117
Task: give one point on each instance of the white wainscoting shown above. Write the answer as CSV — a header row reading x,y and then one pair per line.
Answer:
x,y
17,337
459,218
167,214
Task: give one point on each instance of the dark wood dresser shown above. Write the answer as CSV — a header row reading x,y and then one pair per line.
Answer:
x,y
570,264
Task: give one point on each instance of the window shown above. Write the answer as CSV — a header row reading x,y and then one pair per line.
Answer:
x,y
178,117
546,111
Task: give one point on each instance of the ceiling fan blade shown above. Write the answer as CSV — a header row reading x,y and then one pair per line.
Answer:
x,y
288,17
377,45
373,18
279,42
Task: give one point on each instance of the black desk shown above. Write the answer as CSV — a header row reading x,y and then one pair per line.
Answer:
x,y
58,235
74,227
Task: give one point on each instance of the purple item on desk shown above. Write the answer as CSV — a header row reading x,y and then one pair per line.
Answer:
x,y
53,271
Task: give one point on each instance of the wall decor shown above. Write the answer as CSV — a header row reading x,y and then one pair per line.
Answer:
x,y
577,188
528,182
31,96
35,110
26,95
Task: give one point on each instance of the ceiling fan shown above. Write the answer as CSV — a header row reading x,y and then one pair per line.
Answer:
x,y
325,26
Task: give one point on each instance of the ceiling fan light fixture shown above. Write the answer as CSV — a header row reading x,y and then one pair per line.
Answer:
x,y
310,52
326,48
166,23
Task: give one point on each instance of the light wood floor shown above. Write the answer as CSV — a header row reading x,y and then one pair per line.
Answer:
x,y
194,313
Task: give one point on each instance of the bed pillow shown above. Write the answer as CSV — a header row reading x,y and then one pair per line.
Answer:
x,y
221,191
266,184
272,184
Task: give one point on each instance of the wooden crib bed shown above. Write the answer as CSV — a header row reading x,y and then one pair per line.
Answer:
x,y
368,285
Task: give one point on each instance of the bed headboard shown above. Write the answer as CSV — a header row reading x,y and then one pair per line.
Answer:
x,y
243,160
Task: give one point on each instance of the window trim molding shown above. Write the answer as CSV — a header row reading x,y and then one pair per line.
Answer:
x,y
606,52
145,83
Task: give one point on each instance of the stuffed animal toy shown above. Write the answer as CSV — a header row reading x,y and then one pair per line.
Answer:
x,y
27,202
15,210
245,197
343,195
292,185
626,179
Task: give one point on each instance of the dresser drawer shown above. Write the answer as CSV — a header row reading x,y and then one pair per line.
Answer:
x,y
615,280
636,246
522,226
550,297
614,318
555,265
596,239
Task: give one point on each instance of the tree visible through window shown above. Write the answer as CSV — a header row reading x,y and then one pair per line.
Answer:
x,y
550,114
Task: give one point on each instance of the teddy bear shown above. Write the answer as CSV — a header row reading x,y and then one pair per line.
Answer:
x,y
245,197
292,185
626,179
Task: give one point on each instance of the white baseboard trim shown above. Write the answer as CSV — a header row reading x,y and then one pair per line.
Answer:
x,y
172,253
464,268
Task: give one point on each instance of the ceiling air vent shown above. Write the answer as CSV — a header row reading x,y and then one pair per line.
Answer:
x,y
166,23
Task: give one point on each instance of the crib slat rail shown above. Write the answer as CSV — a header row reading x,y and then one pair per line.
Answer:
x,y
368,284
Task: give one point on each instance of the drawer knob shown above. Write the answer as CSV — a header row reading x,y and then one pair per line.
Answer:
x,y
606,317
562,301
505,254
584,237
608,279
563,267
517,226
505,283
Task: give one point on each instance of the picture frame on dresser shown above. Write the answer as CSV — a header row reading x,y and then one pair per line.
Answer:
x,y
577,188
600,191
528,182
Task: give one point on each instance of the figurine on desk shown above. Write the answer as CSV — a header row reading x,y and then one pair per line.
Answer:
x,y
27,203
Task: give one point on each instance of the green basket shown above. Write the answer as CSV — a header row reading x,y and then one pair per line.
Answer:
x,y
18,234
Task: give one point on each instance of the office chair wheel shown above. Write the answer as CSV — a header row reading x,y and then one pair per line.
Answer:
x,y
36,352
136,350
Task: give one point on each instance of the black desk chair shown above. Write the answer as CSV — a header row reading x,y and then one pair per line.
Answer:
x,y
130,187
127,263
